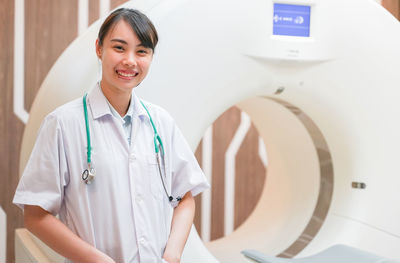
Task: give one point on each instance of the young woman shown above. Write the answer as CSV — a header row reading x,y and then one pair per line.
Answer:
x,y
117,199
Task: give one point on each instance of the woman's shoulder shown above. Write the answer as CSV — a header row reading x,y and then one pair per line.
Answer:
x,y
156,111
70,111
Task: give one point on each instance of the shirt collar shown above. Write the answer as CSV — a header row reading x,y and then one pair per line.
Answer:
x,y
100,106
127,117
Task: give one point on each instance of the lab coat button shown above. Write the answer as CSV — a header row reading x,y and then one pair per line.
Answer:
x,y
142,240
139,198
132,157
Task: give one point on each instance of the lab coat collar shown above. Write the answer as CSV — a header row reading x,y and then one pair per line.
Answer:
x,y
99,104
138,107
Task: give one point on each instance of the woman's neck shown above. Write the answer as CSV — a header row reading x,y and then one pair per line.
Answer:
x,y
118,99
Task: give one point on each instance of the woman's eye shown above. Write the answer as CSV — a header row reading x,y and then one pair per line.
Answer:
x,y
119,48
142,51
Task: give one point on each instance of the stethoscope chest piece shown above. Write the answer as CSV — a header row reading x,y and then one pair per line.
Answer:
x,y
88,175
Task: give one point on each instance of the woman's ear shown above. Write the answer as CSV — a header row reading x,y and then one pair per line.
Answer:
x,y
98,49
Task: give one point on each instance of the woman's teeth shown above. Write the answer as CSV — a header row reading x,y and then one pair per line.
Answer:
x,y
127,74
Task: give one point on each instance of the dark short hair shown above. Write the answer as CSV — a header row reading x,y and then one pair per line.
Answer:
x,y
139,22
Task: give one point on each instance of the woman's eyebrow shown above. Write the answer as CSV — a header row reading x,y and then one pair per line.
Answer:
x,y
119,40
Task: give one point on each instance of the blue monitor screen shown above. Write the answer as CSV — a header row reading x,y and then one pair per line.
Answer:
x,y
291,20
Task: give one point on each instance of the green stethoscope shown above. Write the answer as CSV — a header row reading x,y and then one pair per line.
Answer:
x,y
88,174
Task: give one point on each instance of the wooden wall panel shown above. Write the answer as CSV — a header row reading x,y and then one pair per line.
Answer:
x,y
10,127
250,177
116,3
48,31
94,11
224,129
197,199
58,24
393,6
14,214
250,173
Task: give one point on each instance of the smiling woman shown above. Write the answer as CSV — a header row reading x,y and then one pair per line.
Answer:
x,y
125,62
137,150
125,46
51,26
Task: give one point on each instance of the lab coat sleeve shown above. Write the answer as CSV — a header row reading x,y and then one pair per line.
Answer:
x,y
186,173
45,174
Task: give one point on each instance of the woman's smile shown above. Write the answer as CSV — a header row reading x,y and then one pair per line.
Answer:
x,y
127,75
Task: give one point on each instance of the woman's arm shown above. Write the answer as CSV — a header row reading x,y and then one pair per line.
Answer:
x,y
182,221
60,238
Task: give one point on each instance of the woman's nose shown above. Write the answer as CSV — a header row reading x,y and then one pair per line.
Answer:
x,y
130,60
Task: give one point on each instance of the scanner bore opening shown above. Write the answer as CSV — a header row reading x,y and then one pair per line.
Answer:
x,y
296,198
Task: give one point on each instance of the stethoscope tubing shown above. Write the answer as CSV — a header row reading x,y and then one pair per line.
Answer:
x,y
89,174
89,146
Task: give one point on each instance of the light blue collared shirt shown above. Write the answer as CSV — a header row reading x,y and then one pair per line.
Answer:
x,y
126,121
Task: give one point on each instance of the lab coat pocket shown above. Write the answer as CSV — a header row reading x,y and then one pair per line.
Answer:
x,y
155,180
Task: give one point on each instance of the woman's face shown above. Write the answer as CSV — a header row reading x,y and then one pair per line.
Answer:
x,y
125,62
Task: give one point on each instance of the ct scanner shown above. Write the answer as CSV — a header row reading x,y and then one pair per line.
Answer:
x,y
326,104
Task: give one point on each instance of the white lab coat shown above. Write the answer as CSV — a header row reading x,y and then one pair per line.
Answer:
x,y
124,212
